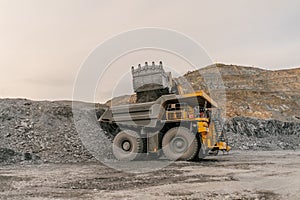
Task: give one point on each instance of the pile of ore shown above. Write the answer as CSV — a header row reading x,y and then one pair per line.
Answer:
x,y
9,156
246,133
40,129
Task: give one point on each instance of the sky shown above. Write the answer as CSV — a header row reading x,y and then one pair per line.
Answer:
x,y
43,43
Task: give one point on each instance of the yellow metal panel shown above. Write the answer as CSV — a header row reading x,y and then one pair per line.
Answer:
x,y
208,143
222,146
202,127
201,93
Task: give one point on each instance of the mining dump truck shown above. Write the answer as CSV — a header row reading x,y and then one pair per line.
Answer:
x,y
163,121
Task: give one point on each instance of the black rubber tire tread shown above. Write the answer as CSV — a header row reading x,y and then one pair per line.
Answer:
x,y
136,143
189,153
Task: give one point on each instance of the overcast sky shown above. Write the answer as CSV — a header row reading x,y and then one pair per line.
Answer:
x,y
44,42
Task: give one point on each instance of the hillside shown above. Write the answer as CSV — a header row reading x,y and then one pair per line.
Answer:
x,y
253,92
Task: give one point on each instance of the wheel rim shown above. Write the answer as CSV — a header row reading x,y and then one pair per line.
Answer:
x,y
179,144
126,146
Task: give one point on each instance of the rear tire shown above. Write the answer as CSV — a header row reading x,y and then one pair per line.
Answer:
x,y
180,144
127,145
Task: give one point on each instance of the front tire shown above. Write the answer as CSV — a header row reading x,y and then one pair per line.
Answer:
x,y
180,144
127,145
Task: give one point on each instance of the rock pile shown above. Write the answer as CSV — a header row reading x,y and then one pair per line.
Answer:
x,y
43,129
246,133
8,156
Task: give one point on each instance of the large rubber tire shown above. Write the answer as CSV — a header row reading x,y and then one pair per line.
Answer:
x,y
180,144
128,145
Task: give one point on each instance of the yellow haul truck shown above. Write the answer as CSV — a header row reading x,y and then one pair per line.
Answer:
x,y
164,121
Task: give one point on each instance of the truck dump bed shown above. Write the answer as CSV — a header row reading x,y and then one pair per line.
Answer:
x,y
149,113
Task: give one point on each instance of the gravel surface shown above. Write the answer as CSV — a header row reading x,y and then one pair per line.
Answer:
x,y
263,175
